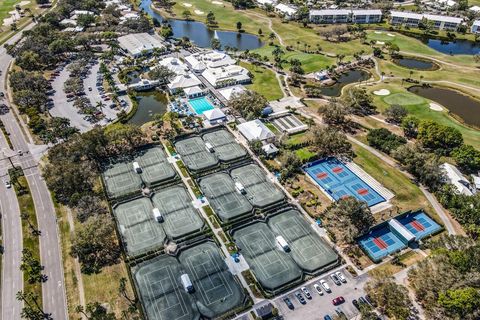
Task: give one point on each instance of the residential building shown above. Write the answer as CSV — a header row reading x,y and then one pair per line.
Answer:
x,y
226,76
182,82
137,44
456,178
476,27
330,16
287,11
144,84
256,130
413,20
366,16
264,3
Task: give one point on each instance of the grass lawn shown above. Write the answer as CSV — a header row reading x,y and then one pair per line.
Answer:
x,y
304,153
423,111
272,127
407,195
264,82
296,138
404,99
103,287
30,241
408,258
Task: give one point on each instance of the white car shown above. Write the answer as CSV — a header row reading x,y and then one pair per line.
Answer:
x,y
318,289
7,184
341,277
306,292
325,286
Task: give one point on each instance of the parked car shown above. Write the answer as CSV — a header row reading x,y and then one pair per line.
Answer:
x,y
325,286
338,300
362,300
89,88
339,311
300,298
7,184
318,289
335,279
341,276
356,304
289,303
306,292
327,317
20,152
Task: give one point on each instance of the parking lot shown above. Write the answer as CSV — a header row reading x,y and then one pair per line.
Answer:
x,y
319,306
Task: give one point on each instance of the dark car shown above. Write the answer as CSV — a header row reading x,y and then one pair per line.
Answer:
x,y
356,304
289,303
327,317
300,298
338,300
335,279
367,297
362,300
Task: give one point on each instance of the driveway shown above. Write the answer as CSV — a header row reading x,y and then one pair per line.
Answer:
x,y
65,109
319,306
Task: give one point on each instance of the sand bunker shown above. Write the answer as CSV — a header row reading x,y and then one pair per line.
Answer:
x,y
378,32
435,106
199,12
217,3
24,3
380,42
390,35
382,92
186,4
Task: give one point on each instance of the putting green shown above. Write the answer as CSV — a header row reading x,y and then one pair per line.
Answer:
x,y
404,99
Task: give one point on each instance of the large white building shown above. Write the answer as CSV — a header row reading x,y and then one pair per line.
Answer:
x,y
287,11
346,16
456,178
256,130
175,65
412,19
183,82
226,76
137,44
208,59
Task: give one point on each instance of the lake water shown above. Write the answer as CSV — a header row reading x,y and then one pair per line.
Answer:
x,y
418,64
455,47
201,36
149,104
344,79
461,105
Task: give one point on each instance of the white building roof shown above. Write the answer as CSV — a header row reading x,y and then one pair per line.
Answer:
x,y
255,130
229,92
265,2
184,81
210,59
456,178
433,17
227,73
366,12
174,65
288,10
65,22
270,148
476,23
136,43
193,90
214,114
474,9
330,12
400,228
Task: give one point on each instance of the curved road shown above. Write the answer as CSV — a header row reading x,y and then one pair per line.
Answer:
x,y
53,290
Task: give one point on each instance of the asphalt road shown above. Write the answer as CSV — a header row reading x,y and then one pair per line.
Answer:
x,y
12,279
54,297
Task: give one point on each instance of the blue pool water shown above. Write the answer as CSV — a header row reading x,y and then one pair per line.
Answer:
x,y
338,181
200,105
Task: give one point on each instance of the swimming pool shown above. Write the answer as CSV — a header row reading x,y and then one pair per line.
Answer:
x,y
339,181
200,105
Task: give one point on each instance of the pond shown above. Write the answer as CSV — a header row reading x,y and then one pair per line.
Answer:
x,y
454,47
149,103
459,104
416,63
201,36
345,78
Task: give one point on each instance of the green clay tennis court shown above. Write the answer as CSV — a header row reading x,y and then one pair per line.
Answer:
x,y
226,201
260,191
225,146
274,268
163,296
197,156
121,179
142,233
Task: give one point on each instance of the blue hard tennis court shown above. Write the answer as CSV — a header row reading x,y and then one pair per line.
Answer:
x,y
339,181
381,242
200,105
419,224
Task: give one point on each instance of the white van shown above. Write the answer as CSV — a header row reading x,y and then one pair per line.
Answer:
x,y
187,284
281,241
137,168
240,188
157,215
209,147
